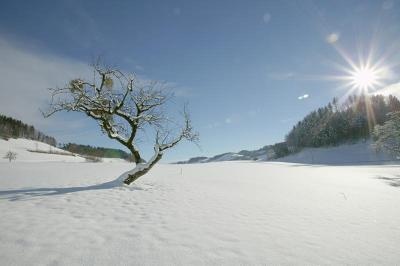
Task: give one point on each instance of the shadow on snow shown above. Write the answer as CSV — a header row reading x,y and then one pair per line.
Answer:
x,y
21,194
393,181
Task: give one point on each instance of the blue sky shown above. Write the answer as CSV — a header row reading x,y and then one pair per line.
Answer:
x,y
241,65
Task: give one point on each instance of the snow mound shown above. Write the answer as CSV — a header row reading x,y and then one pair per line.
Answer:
x,y
35,151
362,152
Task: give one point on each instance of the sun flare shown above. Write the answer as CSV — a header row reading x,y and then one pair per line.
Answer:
x,y
364,78
364,70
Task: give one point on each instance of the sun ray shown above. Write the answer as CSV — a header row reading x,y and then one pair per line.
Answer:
x,y
362,78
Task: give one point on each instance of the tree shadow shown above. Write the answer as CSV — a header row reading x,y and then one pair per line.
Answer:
x,y
392,181
22,194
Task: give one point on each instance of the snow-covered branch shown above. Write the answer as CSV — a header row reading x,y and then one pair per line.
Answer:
x,y
121,105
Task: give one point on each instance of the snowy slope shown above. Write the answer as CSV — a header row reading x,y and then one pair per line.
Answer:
x,y
358,153
244,155
230,156
35,151
230,213
22,147
361,152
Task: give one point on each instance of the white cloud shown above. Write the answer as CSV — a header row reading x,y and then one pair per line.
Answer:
x,y
25,76
303,97
267,18
392,89
333,37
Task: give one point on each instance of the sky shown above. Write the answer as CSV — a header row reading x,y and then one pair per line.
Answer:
x,y
249,70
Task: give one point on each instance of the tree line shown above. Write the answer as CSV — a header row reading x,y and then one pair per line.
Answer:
x,y
13,128
387,136
95,151
334,124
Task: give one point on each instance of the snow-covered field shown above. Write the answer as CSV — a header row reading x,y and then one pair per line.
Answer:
x,y
230,213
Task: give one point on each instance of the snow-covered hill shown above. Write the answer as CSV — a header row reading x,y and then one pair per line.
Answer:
x,y
35,151
361,152
244,155
229,213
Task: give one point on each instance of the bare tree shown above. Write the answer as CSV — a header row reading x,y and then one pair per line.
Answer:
x,y
10,156
123,106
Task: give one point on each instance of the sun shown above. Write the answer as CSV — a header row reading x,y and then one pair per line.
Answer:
x,y
366,75
364,78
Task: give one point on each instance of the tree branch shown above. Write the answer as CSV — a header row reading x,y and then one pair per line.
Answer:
x,y
122,106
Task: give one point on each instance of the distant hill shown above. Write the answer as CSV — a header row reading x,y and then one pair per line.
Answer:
x,y
13,128
244,155
353,153
35,151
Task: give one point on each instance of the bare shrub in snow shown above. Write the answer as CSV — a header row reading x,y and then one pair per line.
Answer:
x,y
10,156
124,106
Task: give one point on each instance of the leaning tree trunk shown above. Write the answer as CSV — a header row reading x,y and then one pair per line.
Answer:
x,y
142,169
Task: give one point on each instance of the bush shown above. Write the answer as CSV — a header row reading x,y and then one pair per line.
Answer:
x,y
10,156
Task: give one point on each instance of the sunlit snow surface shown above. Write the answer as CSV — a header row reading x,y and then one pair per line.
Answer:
x,y
35,151
230,213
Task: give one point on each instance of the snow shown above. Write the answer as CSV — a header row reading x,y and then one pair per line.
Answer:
x,y
361,152
228,157
113,160
226,213
35,151
22,147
